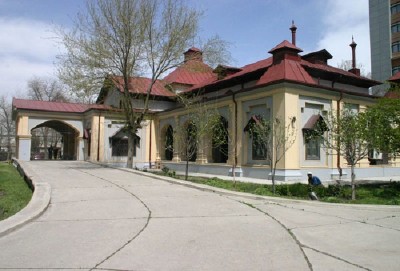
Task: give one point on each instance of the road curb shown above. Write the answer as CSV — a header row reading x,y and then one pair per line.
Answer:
x,y
252,196
37,205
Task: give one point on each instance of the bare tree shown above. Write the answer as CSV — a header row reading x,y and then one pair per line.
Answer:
x,y
126,39
51,90
216,51
272,139
345,134
194,136
42,89
347,65
6,123
225,141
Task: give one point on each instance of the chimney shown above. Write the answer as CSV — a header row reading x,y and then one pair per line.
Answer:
x,y
193,54
293,28
353,69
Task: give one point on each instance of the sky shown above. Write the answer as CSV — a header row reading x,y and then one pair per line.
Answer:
x,y
28,45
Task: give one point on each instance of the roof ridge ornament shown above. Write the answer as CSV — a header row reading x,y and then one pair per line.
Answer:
x,y
293,28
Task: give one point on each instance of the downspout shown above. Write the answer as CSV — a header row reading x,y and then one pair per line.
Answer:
x,y
236,128
98,140
337,117
150,145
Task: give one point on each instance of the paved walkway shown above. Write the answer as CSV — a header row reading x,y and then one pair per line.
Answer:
x,y
109,219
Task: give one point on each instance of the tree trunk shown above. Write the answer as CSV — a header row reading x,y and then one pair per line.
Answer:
x,y
234,174
187,169
353,185
129,160
273,179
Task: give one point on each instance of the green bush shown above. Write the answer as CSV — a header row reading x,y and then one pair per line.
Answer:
x,y
299,190
378,193
165,170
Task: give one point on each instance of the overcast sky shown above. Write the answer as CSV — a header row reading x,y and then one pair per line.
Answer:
x,y
253,27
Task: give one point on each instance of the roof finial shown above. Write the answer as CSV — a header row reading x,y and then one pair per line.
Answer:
x,y
293,28
353,46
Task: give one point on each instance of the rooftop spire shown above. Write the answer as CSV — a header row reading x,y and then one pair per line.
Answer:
x,y
353,46
293,28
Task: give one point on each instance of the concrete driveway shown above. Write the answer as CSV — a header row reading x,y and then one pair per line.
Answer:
x,y
110,219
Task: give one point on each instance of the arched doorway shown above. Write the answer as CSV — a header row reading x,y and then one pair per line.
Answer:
x,y
220,140
54,140
168,143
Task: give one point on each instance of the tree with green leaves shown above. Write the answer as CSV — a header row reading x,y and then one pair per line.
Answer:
x,y
272,139
383,131
126,39
345,134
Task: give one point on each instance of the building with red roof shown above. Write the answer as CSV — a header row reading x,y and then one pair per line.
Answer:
x,y
286,85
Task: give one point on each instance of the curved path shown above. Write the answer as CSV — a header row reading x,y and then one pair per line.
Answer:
x,y
109,219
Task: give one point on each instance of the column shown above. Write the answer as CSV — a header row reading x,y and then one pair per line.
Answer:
x,y
176,157
23,137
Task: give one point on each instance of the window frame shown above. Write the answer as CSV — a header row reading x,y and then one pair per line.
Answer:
x,y
395,28
313,144
395,8
119,147
396,47
395,70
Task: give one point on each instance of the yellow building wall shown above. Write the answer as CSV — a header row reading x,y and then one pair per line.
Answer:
x,y
152,139
97,139
23,126
291,159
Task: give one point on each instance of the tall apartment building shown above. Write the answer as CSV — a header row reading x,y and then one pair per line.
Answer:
x,y
384,24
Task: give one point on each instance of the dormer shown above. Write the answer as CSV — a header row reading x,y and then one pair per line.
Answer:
x,y
193,54
285,50
223,71
318,57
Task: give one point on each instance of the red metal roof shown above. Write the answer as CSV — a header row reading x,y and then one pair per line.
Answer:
x,y
192,72
139,85
287,69
55,106
392,95
291,67
328,68
395,77
262,64
284,45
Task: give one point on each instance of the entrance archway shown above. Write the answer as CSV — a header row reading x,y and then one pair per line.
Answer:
x,y
54,139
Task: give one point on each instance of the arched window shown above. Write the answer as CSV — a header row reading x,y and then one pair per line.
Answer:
x,y
190,142
260,132
119,144
220,140
169,143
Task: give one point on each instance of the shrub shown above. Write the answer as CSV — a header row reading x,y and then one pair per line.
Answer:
x,y
299,190
165,170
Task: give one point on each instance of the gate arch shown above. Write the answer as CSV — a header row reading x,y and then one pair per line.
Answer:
x,y
68,140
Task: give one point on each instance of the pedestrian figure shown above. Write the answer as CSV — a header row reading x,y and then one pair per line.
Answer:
x,y
50,150
313,181
55,152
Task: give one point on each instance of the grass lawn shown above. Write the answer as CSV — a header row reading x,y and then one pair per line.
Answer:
x,y
14,192
380,193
